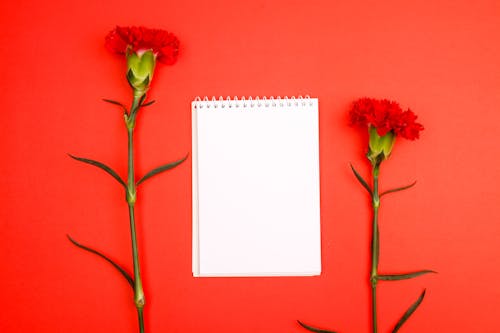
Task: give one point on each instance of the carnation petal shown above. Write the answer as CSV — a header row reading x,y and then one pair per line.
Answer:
x,y
162,43
385,116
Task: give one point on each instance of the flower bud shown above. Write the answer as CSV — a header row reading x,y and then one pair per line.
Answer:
x,y
140,69
380,147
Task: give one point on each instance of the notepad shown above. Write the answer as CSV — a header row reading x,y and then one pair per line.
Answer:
x,y
256,198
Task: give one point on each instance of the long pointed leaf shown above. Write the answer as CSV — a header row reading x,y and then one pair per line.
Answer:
x,y
161,169
116,103
409,312
361,180
101,166
115,265
147,103
313,329
396,277
398,189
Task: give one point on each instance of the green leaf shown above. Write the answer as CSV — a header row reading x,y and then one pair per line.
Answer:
x,y
398,189
135,107
313,329
101,166
409,312
116,103
396,277
161,169
115,265
147,103
143,97
361,180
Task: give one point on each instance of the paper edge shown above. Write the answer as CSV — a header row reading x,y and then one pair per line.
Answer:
x,y
194,167
267,274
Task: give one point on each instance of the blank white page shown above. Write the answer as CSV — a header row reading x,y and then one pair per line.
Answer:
x,y
256,207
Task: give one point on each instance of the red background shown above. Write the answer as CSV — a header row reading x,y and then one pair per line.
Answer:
x,y
441,58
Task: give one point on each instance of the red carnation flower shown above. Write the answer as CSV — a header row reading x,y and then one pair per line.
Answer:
x,y
385,116
142,47
163,44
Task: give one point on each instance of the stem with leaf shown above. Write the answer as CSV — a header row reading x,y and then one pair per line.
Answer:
x,y
375,244
131,197
130,187
139,74
374,274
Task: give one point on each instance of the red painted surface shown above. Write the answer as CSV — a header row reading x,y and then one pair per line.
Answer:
x,y
441,58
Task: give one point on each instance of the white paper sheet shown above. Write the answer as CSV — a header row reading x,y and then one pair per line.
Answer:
x,y
256,207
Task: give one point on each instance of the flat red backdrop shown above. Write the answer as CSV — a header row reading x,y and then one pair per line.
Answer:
x,y
441,58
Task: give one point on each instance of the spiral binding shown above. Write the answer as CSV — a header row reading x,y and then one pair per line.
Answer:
x,y
251,102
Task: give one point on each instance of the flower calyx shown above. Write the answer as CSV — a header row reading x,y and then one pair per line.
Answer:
x,y
140,70
379,147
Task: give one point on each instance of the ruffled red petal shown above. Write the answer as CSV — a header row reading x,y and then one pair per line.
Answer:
x,y
385,116
164,44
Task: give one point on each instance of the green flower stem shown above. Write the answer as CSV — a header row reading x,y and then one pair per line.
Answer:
x,y
131,196
375,244
141,320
